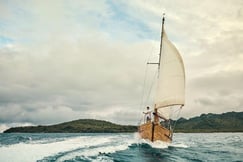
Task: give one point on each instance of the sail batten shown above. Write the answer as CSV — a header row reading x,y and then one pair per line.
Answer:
x,y
171,81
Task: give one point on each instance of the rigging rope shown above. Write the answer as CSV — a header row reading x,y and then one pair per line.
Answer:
x,y
146,83
177,118
151,86
143,92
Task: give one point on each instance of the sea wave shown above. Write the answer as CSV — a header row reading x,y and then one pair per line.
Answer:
x,y
93,148
120,147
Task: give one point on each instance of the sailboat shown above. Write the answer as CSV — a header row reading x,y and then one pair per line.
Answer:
x,y
170,92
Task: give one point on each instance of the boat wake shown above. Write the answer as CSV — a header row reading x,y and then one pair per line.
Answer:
x,y
94,149
79,148
76,148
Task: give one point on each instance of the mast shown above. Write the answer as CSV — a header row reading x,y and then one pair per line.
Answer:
x,y
156,117
162,33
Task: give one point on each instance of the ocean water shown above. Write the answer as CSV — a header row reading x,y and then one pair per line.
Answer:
x,y
25,147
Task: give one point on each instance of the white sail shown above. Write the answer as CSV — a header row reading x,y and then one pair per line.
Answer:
x,y
171,82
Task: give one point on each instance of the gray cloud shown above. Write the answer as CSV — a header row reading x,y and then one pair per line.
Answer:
x,y
70,82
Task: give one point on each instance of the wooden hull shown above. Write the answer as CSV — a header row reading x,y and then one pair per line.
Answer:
x,y
155,132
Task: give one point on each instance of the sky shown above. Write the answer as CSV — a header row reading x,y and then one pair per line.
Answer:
x,y
65,60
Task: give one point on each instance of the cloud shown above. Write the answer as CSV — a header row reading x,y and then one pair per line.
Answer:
x,y
216,93
73,81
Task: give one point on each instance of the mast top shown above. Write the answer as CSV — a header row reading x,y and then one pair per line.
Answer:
x,y
163,20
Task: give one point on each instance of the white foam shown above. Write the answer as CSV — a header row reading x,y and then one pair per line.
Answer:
x,y
30,152
180,145
115,144
69,148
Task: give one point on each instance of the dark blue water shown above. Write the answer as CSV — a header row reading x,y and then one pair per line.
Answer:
x,y
120,148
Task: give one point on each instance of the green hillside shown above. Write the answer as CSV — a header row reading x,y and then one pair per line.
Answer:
x,y
226,122
77,126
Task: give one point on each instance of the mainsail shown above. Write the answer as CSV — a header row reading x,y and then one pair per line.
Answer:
x,y
171,81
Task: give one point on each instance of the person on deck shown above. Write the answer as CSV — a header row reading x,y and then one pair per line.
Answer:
x,y
148,114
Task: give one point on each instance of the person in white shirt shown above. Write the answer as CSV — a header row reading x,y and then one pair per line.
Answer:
x,y
148,114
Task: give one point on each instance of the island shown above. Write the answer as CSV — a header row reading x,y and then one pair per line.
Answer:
x,y
205,123
76,126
